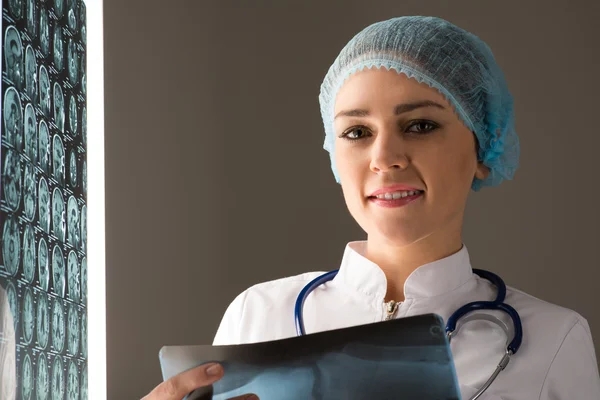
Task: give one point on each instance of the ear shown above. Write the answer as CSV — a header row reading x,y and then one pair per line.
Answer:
x,y
482,171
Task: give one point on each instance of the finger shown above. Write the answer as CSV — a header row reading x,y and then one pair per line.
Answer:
x,y
180,385
246,397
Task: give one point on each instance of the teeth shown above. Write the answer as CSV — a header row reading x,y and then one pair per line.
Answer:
x,y
398,195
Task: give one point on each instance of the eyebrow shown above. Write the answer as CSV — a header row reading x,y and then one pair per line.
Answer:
x,y
399,109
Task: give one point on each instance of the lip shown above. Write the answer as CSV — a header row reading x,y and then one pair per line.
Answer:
x,y
391,189
401,202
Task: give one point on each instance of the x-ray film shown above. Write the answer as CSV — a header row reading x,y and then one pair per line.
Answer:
x,y
407,358
43,197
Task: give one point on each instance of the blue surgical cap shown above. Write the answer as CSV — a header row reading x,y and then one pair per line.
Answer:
x,y
447,58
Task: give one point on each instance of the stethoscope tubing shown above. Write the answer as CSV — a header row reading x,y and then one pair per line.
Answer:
x,y
497,304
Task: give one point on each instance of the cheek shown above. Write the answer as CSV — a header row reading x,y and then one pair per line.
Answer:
x,y
456,159
455,177
448,171
346,169
352,176
348,176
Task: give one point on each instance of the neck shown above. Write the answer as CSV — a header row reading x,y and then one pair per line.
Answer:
x,y
398,261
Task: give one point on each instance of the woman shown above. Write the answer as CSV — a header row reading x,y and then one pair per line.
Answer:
x,y
416,114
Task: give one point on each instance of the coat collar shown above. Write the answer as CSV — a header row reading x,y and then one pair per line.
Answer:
x,y
429,280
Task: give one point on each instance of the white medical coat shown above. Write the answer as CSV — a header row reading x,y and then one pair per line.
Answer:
x,y
556,360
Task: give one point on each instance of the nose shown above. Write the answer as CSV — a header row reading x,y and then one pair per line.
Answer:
x,y
388,153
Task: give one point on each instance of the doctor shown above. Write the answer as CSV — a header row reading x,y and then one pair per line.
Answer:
x,y
417,114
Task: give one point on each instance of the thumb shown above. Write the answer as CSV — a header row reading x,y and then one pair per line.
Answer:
x,y
180,385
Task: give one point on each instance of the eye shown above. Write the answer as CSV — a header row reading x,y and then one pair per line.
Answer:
x,y
422,127
355,133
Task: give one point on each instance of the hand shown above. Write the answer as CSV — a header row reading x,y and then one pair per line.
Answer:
x,y
183,384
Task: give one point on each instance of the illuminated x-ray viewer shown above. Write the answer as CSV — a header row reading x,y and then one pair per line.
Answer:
x,y
407,358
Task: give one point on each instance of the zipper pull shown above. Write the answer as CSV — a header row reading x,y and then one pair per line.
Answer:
x,y
391,308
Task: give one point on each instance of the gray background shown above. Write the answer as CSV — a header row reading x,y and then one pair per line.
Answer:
x,y
216,180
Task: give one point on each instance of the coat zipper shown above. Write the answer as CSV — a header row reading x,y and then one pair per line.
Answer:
x,y
390,308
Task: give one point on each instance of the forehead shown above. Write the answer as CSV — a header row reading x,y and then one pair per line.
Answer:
x,y
372,87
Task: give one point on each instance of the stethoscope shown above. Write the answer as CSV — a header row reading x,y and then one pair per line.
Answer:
x,y
514,335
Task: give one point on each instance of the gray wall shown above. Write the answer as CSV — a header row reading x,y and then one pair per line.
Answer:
x,y
216,180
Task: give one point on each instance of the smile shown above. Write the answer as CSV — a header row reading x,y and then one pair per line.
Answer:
x,y
396,195
395,199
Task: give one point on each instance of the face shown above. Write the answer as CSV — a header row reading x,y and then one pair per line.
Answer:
x,y
404,134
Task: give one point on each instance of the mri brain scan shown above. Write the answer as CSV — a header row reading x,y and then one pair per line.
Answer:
x,y
43,194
